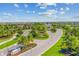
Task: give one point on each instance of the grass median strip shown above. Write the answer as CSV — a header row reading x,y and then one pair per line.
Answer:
x,y
8,44
54,50
4,39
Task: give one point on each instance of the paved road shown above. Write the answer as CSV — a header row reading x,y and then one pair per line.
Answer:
x,y
43,45
4,51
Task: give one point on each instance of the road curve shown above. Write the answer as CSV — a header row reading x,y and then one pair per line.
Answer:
x,y
43,45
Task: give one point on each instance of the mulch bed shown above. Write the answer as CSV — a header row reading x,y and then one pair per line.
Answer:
x,y
28,47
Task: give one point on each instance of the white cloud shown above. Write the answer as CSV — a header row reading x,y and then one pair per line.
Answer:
x,y
61,9
69,3
46,4
41,7
25,5
62,12
42,4
54,4
48,13
67,8
39,13
27,11
16,5
19,10
33,11
7,14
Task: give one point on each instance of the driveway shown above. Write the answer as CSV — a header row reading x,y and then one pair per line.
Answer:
x,y
43,45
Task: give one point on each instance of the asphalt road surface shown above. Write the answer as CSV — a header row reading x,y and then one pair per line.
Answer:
x,y
43,45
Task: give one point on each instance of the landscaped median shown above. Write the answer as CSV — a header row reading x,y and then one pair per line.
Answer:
x,y
8,44
4,39
54,50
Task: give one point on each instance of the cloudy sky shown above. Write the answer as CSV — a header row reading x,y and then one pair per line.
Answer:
x,y
38,12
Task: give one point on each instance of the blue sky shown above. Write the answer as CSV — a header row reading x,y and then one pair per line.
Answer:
x,y
38,12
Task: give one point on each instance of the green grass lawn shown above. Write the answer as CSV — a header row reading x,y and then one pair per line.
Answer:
x,y
43,36
54,50
8,44
4,39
